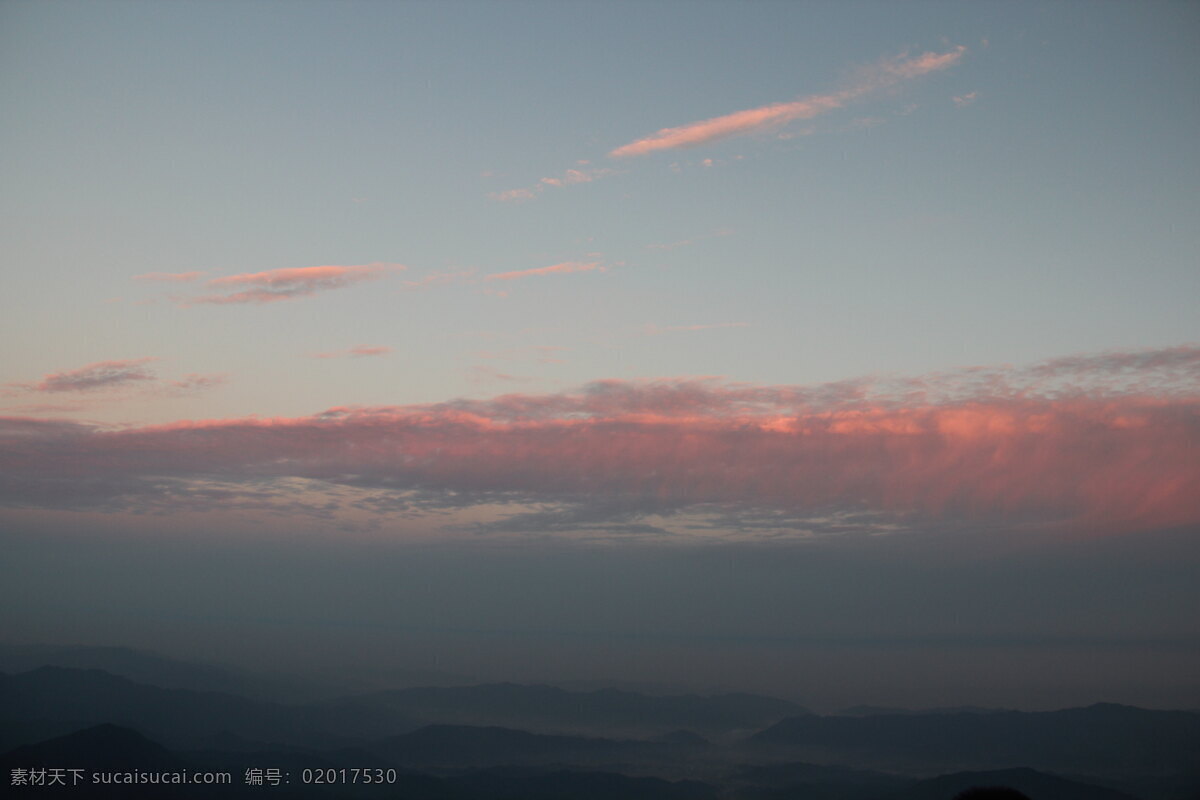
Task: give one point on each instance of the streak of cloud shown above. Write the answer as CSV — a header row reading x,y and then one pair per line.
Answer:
x,y
358,351
562,268
739,123
514,195
485,374
287,284
570,177
574,176
103,378
652,329
98,376
194,384
170,277
965,99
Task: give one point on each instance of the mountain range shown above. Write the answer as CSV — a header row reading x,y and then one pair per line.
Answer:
x,y
507,741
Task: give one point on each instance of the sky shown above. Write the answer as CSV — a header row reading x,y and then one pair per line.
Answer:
x,y
843,351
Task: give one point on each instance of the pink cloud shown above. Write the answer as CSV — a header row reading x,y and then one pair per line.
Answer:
x,y
543,354
483,374
288,283
574,176
1184,358
656,329
358,351
170,277
46,408
368,350
553,269
571,177
97,376
965,99
904,68
1114,460
194,383
115,375
514,195
880,76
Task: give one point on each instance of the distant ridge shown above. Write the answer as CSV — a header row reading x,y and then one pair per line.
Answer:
x,y
558,744
552,709
806,779
463,745
1037,785
151,668
875,711
62,699
509,783
1101,738
105,746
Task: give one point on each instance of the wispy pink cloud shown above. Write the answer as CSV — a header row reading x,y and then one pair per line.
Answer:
x,y
514,195
104,377
288,283
368,350
965,99
1116,457
484,374
653,329
46,408
543,354
358,351
554,269
1184,358
574,176
880,76
551,354
97,376
194,383
170,277
570,177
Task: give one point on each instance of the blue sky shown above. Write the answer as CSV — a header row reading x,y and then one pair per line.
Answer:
x,y
904,234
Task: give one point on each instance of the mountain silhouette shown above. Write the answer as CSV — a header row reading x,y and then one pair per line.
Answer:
x,y
511,783
101,747
589,745
813,782
464,745
1100,739
609,711
62,700
1033,784
875,711
150,668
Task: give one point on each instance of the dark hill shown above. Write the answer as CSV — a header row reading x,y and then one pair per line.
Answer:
x,y
1099,739
139,666
682,738
463,745
512,783
101,747
51,698
1037,785
607,711
875,711
798,780
78,756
